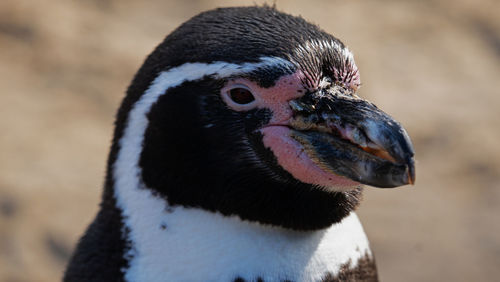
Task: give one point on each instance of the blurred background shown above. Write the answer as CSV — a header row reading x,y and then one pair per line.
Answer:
x,y
434,65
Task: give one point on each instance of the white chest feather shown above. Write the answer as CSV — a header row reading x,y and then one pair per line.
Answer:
x,y
194,245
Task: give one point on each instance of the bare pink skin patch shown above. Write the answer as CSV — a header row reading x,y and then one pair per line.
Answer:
x,y
276,135
292,157
275,98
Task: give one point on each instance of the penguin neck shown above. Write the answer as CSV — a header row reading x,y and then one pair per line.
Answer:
x,y
166,241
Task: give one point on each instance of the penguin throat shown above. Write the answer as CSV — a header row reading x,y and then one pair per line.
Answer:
x,y
225,247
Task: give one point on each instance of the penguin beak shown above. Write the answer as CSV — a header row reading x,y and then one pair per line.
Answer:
x,y
348,136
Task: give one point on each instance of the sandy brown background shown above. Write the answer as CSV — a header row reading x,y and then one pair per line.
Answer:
x,y
434,65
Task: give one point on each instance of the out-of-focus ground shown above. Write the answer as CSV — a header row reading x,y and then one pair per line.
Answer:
x,y
434,65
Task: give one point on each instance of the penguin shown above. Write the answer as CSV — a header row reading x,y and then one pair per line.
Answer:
x,y
239,154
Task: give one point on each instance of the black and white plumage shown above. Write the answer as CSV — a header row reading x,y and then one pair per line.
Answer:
x,y
237,156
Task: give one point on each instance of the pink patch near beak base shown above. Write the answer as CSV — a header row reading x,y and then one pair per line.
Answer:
x,y
292,157
288,152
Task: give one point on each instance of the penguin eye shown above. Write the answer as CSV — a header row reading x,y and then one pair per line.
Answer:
x,y
241,96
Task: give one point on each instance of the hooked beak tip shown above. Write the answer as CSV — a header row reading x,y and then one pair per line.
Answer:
x,y
411,180
411,172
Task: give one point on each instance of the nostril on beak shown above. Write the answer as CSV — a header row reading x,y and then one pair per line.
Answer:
x,y
298,106
359,137
294,104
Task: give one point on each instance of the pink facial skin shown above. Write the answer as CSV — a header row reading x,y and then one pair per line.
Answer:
x,y
276,135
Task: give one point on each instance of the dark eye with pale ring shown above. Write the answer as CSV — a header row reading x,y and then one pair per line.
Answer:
x,y
241,96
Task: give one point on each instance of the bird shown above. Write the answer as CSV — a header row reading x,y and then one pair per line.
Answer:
x,y
239,153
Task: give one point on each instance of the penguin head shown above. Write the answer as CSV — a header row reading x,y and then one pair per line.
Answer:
x,y
254,113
